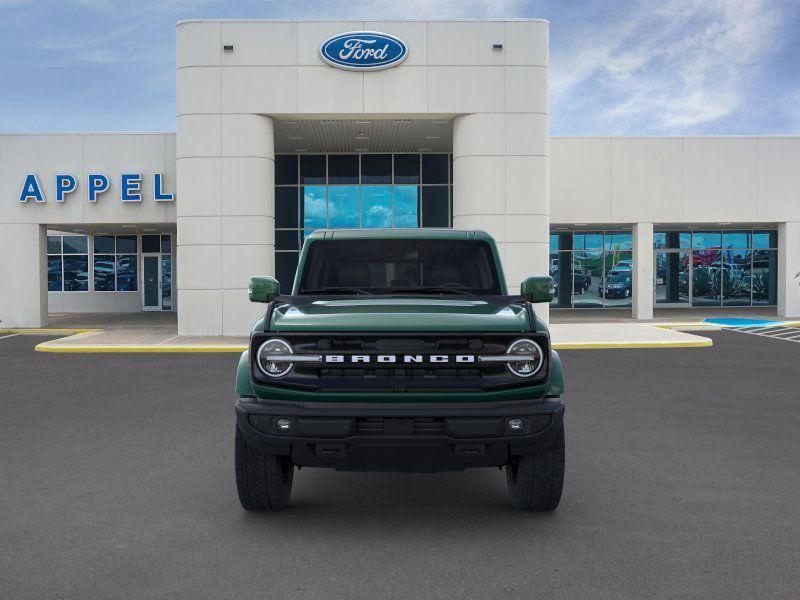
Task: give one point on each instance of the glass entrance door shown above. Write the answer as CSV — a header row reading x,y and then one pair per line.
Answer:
x,y
151,276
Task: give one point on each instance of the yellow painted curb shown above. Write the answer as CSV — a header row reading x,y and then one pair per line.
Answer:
x,y
704,343
99,349
46,331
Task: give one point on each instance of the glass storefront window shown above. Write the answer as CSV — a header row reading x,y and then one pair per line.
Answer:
x,y
54,273
343,206
104,272
376,206
314,209
315,191
722,268
67,263
706,239
587,277
672,278
406,201
126,273
76,273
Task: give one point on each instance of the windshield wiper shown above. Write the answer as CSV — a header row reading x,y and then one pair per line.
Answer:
x,y
336,290
432,290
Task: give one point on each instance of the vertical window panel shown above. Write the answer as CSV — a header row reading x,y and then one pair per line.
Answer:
x,y
435,203
343,206
406,206
104,273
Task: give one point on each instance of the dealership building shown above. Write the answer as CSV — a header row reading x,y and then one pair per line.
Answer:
x,y
284,127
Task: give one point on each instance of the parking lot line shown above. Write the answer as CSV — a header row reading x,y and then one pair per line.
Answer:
x,y
2,337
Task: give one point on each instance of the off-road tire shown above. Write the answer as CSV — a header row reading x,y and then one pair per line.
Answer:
x,y
264,481
535,480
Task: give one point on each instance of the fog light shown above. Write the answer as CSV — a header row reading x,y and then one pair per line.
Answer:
x,y
283,424
516,424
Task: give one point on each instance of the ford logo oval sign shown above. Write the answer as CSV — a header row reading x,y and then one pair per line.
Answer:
x,y
363,50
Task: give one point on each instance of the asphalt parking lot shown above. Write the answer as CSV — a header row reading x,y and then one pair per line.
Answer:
x,y
683,481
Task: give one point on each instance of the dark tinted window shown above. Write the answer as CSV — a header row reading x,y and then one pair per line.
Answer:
x,y
54,244
104,244
400,266
75,244
376,168
286,207
286,240
343,168
126,244
286,169
406,168
150,243
312,168
285,266
434,168
435,204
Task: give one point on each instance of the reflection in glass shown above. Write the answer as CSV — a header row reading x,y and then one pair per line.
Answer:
x,y
706,278
166,282
126,244
587,277
104,272
54,244
672,239
343,206
618,241
617,286
765,277
735,278
406,206
104,244
314,207
76,273
672,277
126,273
75,244
706,239
54,280
588,241
166,244
765,239
736,239
376,206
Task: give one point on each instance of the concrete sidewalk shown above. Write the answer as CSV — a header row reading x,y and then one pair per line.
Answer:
x,y
161,335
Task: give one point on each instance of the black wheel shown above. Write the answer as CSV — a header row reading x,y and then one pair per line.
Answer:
x,y
535,480
264,481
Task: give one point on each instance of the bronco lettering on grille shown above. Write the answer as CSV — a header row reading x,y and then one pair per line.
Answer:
x,y
399,358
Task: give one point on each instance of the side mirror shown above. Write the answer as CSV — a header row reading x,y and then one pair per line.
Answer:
x,y
263,288
538,289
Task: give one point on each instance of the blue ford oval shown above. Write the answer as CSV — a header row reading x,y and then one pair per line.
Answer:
x,y
363,50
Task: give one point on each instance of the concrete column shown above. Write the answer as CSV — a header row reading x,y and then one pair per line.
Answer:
x,y
642,271
23,273
788,267
226,224
501,185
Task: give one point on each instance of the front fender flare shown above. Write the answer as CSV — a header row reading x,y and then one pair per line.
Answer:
x,y
243,385
556,385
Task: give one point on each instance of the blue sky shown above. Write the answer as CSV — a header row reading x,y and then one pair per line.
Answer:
x,y
617,68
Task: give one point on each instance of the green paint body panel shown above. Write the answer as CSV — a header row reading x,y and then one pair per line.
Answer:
x,y
399,314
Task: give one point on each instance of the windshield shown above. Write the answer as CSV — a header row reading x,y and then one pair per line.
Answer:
x,y
399,266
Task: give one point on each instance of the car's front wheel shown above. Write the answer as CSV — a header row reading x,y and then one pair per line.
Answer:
x,y
264,481
535,480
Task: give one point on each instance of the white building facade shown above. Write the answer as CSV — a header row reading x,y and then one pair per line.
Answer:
x,y
275,140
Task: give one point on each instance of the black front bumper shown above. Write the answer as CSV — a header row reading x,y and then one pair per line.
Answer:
x,y
399,436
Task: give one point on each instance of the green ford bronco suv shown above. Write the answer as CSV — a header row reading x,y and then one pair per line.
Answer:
x,y
399,350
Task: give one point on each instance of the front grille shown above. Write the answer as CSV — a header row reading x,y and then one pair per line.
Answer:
x,y
422,375
410,373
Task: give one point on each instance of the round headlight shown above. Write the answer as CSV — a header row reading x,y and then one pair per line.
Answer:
x,y
274,348
530,358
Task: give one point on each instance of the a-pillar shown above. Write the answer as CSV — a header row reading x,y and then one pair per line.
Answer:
x,y
642,276
501,185
226,223
788,269
23,273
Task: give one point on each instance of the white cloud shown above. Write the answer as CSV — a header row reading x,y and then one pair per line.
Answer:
x,y
671,68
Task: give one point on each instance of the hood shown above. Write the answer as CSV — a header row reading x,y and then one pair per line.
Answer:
x,y
400,314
